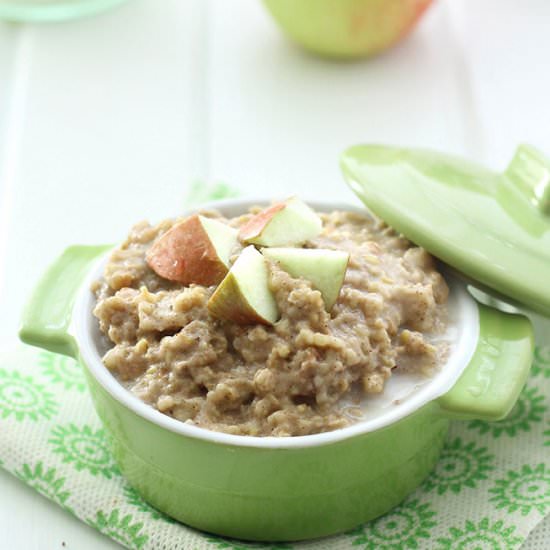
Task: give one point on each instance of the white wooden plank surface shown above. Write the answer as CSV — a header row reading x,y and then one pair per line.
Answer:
x,y
109,133
104,121
506,46
280,117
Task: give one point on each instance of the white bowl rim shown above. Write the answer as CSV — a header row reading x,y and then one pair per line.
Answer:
x,y
440,384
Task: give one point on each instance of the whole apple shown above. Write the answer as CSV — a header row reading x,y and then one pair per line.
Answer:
x,y
346,28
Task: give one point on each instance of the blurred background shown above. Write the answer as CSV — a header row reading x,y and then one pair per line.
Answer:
x,y
114,118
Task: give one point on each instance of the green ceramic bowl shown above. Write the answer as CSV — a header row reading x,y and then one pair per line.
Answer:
x,y
285,488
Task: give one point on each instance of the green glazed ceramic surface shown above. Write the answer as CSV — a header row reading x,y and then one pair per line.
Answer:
x,y
272,494
48,314
261,493
493,227
496,374
346,28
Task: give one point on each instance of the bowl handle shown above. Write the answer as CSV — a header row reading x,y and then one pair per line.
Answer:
x,y
530,172
491,383
48,313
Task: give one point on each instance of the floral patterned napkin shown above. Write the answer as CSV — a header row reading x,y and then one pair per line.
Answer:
x,y
490,488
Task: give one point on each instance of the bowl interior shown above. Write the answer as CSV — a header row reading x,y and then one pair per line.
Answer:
x,y
403,394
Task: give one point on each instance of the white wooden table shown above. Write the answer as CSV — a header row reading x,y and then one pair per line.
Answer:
x,y
105,121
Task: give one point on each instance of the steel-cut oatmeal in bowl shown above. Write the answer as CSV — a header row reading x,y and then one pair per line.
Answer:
x,y
278,322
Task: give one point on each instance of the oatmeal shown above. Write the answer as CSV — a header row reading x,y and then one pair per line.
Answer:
x,y
289,378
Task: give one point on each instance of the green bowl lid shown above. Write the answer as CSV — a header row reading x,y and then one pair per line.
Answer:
x,y
493,228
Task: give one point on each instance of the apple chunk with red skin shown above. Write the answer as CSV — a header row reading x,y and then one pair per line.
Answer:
x,y
244,296
196,250
285,223
324,268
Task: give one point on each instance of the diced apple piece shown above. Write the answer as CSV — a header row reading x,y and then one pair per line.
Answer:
x,y
324,268
196,250
285,223
244,295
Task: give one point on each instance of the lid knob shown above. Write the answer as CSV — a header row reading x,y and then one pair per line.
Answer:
x,y
530,171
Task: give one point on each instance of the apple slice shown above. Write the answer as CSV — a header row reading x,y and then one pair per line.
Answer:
x,y
244,295
285,223
324,268
196,250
